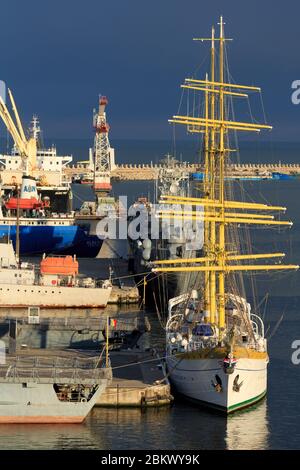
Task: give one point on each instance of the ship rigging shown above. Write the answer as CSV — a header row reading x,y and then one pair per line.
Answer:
x,y
215,321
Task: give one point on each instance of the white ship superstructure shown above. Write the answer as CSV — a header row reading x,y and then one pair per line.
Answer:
x,y
49,166
224,375
56,285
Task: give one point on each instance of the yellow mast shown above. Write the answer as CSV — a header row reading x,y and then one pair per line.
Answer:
x,y
212,275
207,307
221,247
215,263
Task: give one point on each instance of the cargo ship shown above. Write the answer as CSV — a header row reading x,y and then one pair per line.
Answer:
x,y
41,229
49,226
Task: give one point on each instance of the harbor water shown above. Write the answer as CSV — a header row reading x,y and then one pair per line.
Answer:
x,y
271,424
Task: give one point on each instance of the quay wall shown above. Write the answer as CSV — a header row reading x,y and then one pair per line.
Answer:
x,y
143,171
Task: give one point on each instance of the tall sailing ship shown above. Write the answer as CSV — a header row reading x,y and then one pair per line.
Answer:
x,y
216,349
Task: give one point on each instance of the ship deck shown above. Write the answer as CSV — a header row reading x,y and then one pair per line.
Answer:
x,y
54,366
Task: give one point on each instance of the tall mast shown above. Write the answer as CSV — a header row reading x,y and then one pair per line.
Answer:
x,y
207,308
212,281
218,211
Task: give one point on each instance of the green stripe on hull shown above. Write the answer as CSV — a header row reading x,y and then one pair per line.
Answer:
x,y
245,403
223,409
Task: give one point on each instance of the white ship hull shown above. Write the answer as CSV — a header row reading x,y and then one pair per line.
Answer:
x,y
194,379
53,296
38,403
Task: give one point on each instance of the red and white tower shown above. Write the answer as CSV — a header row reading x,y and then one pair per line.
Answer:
x,y
104,159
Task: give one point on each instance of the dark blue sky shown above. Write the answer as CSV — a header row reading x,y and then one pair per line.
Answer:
x,y
58,55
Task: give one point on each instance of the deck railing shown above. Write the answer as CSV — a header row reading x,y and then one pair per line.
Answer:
x,y
54,369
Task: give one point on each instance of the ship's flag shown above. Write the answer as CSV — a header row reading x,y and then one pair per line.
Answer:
x,y
112,322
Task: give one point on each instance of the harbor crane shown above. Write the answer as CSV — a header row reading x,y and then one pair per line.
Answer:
x,y
103,152
26,146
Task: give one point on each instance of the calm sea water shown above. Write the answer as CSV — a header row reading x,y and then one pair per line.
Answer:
x,y
272,424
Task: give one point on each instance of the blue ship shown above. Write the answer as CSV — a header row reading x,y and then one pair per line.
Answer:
x,y
46,224
38,237
199,176
283,176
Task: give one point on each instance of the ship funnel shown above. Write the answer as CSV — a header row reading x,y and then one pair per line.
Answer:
x,y
28,188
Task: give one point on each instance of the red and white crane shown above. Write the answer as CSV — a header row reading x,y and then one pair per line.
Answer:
x,y
103,152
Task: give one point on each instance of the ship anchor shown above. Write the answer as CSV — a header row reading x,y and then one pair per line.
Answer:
x,y
236,386
218,385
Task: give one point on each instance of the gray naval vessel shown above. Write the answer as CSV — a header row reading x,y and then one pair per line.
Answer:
x,y
175,242
51,386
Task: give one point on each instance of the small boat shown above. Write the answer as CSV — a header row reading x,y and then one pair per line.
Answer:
x,y
283,176
199,176
51,388
56,285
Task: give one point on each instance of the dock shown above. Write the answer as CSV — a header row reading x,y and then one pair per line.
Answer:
x,y
60,331
125,290
148,172
139,380
113,261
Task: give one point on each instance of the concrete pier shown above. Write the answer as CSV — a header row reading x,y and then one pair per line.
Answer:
x,y
124,295
144,171
77,332
124,289
139,380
